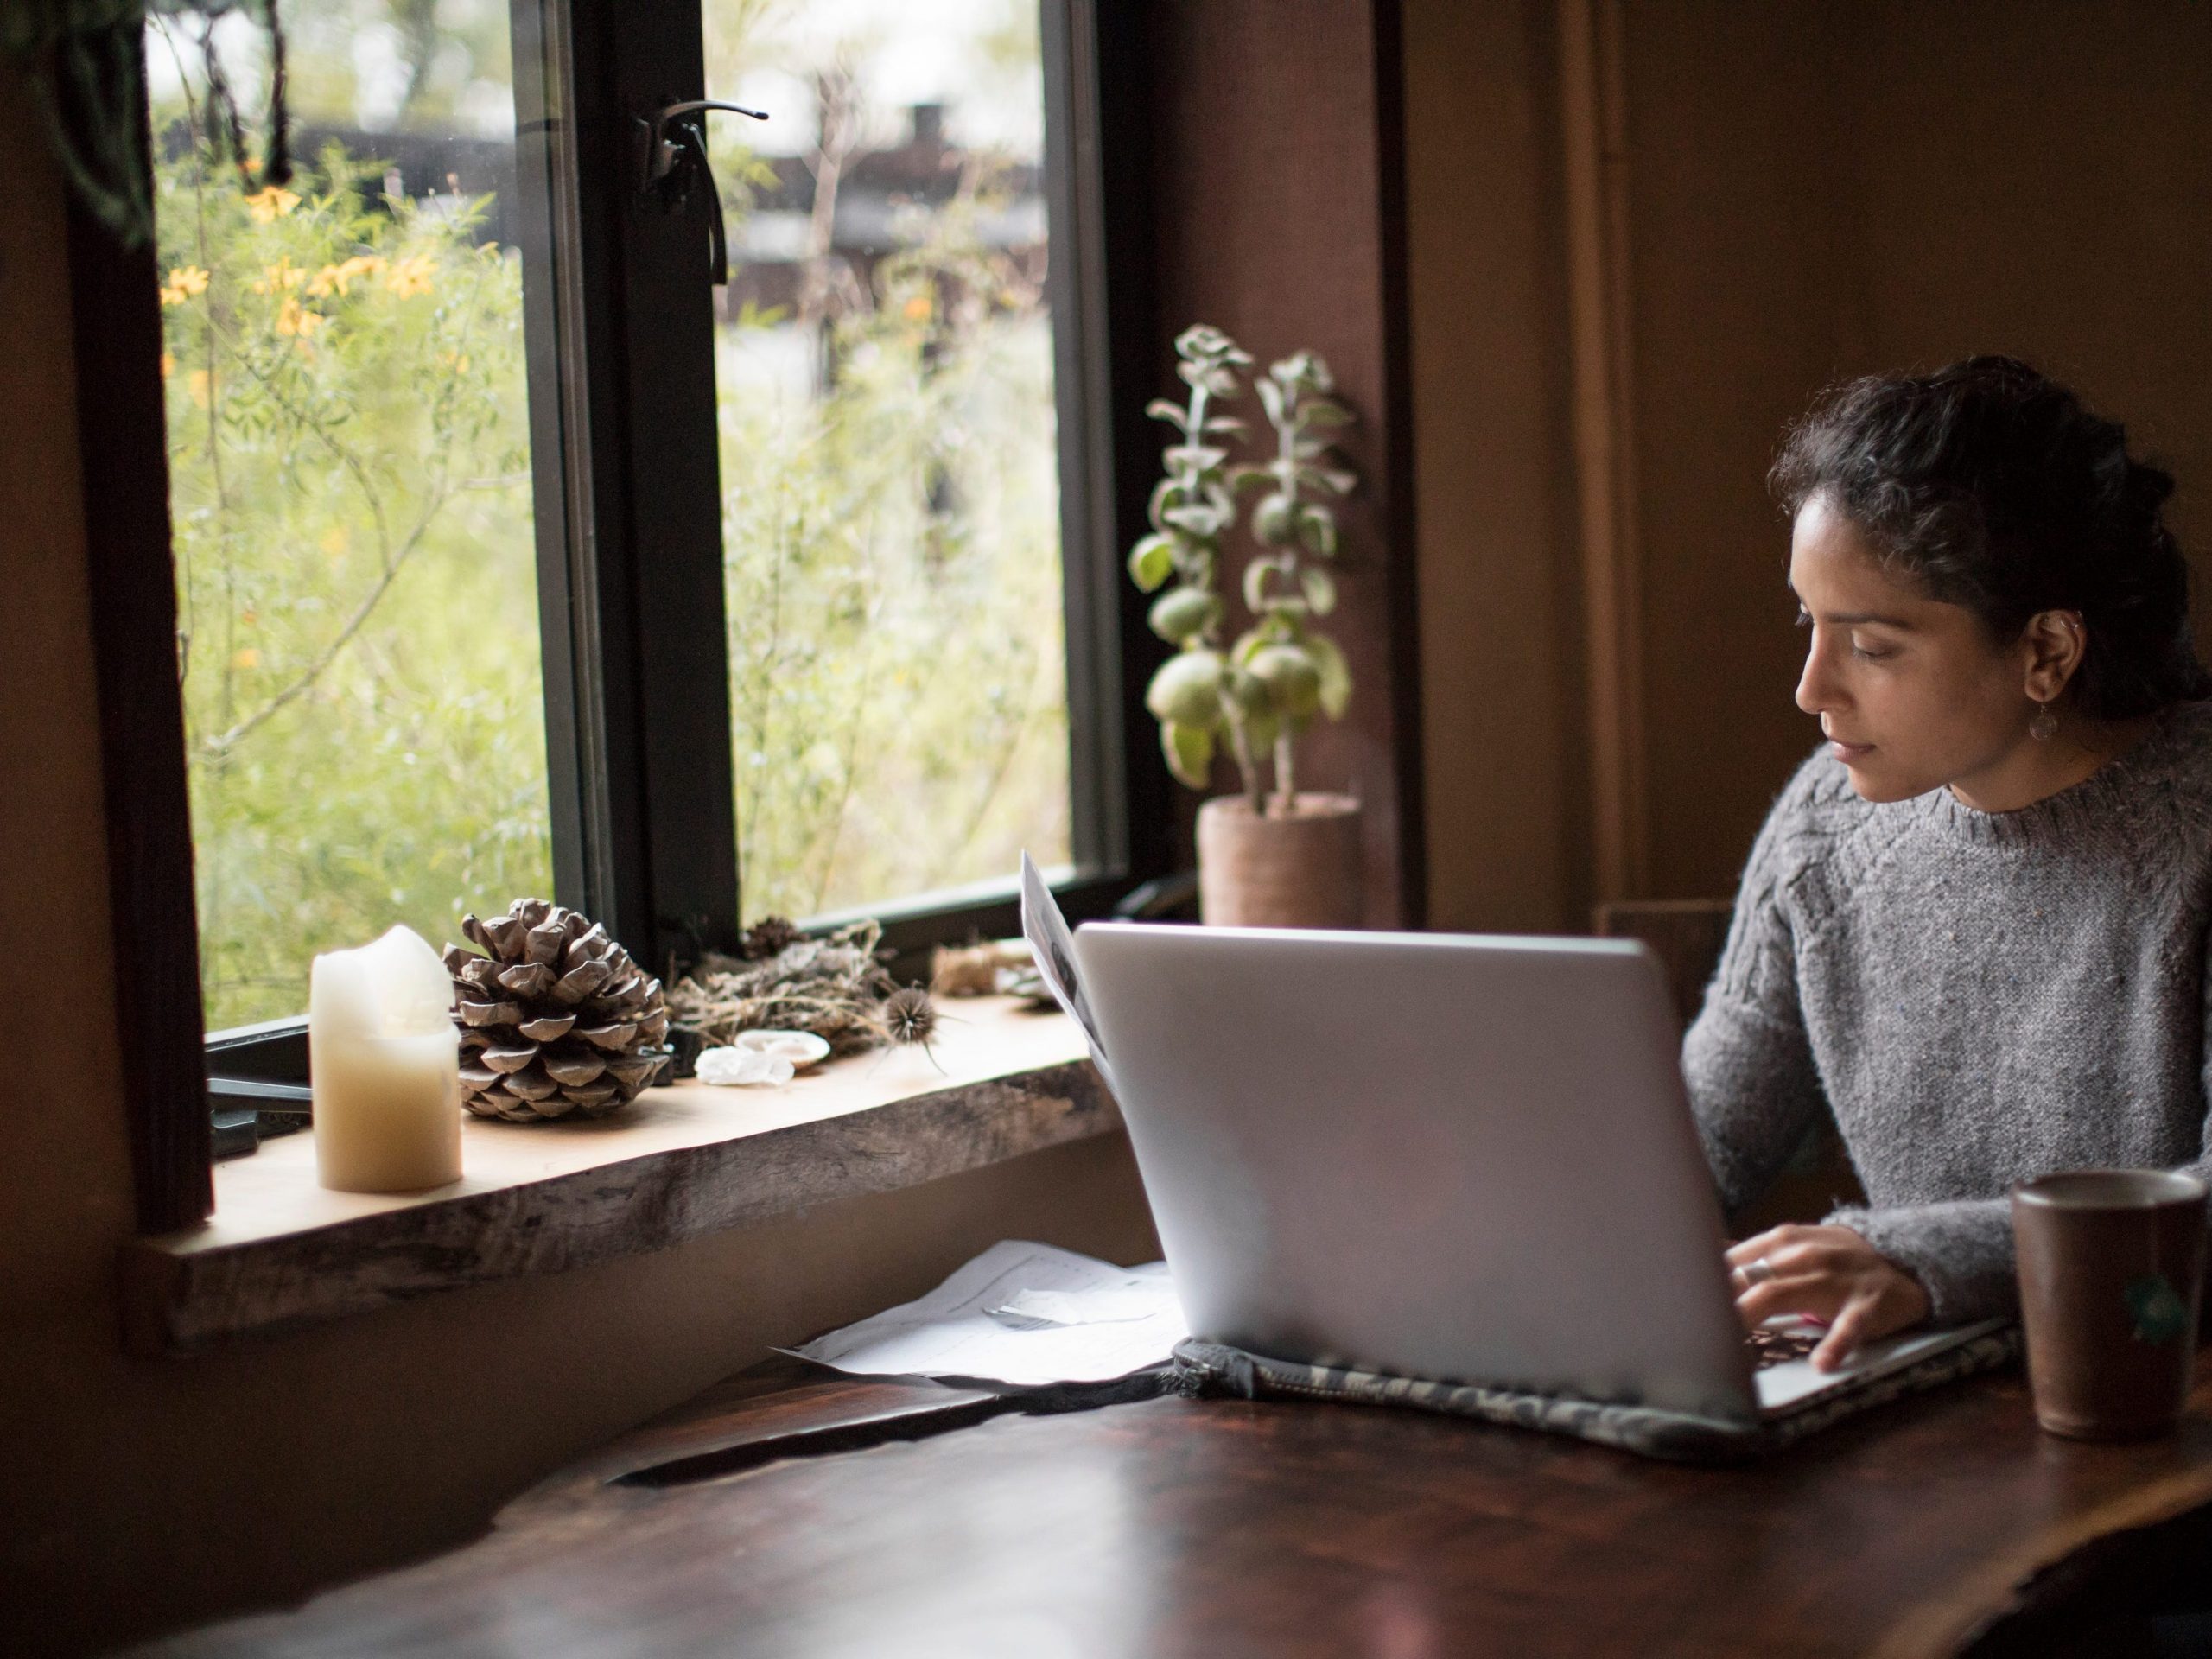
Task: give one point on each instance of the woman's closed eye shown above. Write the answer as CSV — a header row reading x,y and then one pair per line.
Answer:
x,y
1865,648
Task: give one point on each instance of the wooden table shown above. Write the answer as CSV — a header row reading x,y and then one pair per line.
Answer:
x,y
788,1512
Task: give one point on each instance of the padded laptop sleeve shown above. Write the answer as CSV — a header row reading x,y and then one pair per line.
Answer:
x,y
1205,1367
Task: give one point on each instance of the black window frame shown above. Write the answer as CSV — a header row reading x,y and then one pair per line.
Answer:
x,y
619,339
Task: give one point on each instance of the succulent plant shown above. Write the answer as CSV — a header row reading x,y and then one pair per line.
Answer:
x,y
1264,691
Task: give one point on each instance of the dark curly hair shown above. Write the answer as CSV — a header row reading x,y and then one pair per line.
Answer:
x,y
1990,485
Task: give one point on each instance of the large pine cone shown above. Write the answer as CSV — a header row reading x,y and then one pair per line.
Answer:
x,y
555,1020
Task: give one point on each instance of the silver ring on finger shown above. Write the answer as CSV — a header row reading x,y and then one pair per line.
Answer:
x,y
1757,1272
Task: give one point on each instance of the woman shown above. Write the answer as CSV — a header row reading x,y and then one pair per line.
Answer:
x,y
1974,926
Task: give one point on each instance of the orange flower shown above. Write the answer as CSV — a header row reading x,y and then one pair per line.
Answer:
x,y
270,204
294,319
247,657
339,278
202,386
412,276
280,277
169,363
185,281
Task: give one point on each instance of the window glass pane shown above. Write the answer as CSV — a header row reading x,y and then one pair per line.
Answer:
x,y
891,515
350,489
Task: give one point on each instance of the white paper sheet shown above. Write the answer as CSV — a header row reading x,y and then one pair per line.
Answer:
x,y
1020,1313
1046,930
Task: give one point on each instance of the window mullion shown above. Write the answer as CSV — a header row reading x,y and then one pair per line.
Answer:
x,y
631,575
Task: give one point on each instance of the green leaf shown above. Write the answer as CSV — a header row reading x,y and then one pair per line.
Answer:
x,y
1336,674
1197,457
1319,411
1184,614
1186,689
1274,519
1255,578
1203,519
1320,590
1152,561
1225,423
1162,409
1330,478
1189,753
1247,693
1165,494
1292,679
1317,528
1271,400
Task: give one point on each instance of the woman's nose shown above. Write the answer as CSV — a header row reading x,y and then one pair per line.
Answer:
x,y
1815,691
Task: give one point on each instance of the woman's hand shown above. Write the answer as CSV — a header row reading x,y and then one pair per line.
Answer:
x,y
1831,1274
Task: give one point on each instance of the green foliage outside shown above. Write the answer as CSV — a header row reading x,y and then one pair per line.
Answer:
x,y
357,618
892,546
349,485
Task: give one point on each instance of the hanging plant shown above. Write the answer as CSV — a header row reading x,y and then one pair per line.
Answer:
x,y
84,62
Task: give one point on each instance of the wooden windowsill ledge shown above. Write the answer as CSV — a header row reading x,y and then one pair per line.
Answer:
x,y
281,1251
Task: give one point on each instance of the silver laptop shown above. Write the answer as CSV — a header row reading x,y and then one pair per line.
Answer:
x,y
1462,1159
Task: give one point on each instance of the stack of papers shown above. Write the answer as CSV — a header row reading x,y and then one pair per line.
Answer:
x,y
1022,1314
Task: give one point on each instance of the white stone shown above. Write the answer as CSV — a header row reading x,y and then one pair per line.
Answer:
x,y
742,1066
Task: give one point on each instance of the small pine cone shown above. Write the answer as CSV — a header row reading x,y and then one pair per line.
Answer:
x,y
555,1020
770,937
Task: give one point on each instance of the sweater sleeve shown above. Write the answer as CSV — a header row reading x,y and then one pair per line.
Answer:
x,y
1747,1061
1961,1251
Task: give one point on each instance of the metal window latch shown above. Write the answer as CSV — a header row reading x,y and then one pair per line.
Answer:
x,y
674,141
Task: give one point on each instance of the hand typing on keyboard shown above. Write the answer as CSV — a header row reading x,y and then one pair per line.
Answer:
x,y
1828,1274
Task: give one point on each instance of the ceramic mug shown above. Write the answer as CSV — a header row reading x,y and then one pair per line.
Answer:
x,y
2111,1271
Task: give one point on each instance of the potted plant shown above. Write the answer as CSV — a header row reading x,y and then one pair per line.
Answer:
x,y
1268,857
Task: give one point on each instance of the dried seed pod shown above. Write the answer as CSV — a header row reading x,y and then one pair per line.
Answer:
x,y
770,937
909,1015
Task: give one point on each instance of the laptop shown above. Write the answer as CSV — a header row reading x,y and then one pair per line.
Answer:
x,y
1463,1159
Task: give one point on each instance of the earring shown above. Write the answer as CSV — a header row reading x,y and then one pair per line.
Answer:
x,y
2043,725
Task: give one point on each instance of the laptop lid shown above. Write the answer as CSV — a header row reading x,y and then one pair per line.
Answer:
x,y
1468,1158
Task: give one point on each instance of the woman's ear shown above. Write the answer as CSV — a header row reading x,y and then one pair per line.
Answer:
x,y
2055,643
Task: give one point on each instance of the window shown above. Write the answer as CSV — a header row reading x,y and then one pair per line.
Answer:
x,y
517,551
350,496
891,527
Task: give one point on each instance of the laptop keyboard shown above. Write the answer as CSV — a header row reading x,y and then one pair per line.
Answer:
x,y
1774,1347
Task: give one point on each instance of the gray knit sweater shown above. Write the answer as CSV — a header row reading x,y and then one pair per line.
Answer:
x,y
1978,997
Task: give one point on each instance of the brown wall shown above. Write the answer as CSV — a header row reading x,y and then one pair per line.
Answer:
x,y
1269,144
1811,191
142,1495
1502,715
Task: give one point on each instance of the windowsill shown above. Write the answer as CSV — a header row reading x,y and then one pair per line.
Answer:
x,y
281,1251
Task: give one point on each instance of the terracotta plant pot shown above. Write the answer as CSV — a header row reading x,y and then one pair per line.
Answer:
x,y
1298,870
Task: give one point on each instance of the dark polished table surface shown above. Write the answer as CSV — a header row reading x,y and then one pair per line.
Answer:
x,y
789,1512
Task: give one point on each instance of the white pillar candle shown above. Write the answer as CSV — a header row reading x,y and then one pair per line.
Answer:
x,y
385,1062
